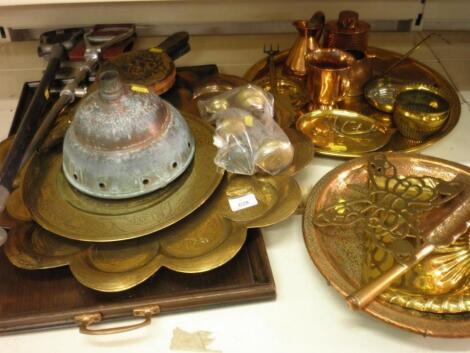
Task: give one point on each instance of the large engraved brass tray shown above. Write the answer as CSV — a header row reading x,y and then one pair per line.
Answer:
x,y
206,239
409,71
61,209
342,252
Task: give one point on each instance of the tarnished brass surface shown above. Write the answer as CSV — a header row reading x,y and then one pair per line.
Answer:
x,y
346,132
356,226
15,206
61,209
204,240
409,71
285,86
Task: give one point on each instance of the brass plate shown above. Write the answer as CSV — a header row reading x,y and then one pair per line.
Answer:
x,y
15,206
410,71
342,131
340,255
206,239
59,208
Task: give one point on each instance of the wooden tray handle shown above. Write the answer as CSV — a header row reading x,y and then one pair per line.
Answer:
x,y
86,320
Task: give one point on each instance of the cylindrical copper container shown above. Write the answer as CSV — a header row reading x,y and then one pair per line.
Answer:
x,y
360,74
347,32
328,78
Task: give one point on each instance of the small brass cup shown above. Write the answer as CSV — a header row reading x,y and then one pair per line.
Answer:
x,y
328,78
420,113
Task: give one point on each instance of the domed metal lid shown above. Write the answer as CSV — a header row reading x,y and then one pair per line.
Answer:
x,y
125,141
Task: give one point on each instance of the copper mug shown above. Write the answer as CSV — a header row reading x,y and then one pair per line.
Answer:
x,y
328,77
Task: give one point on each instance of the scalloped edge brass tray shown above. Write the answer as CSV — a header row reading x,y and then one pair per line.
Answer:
x,y
381,59
342,272
45,196
205,240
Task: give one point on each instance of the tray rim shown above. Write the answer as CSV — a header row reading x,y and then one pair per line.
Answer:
x,y
454,101
407,319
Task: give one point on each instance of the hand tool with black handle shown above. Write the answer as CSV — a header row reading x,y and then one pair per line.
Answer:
x,y
32,117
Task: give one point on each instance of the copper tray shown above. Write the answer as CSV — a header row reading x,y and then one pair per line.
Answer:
x,y
339,256
410,70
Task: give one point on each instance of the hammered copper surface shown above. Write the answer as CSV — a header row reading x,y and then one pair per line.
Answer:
x,y
410,70
340,256
204,240
61,209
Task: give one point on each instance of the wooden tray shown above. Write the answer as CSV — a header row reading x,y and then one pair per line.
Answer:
x,y
51,298
45,299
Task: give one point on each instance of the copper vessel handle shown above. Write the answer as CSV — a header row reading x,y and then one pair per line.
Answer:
x,y
318,17
86,320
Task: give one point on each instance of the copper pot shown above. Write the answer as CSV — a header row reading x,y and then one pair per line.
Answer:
x,y
347,32
360,73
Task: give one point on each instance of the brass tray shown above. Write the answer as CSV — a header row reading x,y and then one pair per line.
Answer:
x,y
59,208
340,253
343,131
206,239
410,70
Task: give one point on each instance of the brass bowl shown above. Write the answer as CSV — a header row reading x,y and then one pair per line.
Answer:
x,y
381,93
420,112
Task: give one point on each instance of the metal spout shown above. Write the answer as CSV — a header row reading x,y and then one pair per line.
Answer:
x,y
110,85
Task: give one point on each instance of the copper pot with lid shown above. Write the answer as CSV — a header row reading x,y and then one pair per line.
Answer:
x,y
125,141
348,32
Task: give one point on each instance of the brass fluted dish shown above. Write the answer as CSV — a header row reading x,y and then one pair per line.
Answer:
x,y
365,215
59,208
206,239
408,71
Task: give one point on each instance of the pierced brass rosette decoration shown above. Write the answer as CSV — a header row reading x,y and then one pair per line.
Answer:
x,y
366,215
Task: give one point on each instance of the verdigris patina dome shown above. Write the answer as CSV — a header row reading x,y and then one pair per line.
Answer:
x,y
125,141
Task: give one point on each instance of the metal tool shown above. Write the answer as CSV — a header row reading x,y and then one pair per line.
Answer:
x,y
56,53
407,54
444,231
28,131
272,66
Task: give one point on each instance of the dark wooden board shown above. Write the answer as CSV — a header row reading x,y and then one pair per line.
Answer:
x,y
45,299
52,298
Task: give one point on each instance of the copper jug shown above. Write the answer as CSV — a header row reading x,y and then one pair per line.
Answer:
x,y
310,32
347,32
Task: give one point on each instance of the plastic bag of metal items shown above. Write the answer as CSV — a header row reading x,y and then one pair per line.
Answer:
x,y
248,145
249,97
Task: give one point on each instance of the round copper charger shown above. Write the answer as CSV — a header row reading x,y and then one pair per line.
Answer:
x,y
339,257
